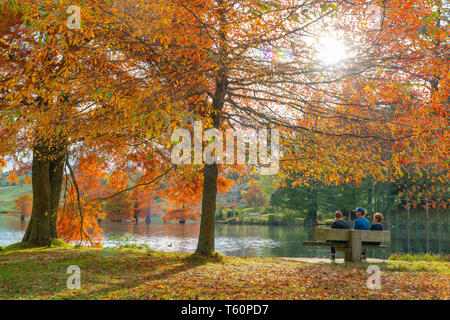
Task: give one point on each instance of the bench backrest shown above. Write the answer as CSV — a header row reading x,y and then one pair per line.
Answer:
x,y
344,235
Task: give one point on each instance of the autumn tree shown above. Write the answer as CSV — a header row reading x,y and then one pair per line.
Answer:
x,y
23,204
67,93
181,215
254,196
256,65
121,208
146,204
229,64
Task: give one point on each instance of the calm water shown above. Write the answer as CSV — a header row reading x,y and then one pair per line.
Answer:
x,y
253,241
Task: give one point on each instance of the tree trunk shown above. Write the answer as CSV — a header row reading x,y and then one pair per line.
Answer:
x,y
136,213
148,217
207,226
205,244
370,194
47,177
311,218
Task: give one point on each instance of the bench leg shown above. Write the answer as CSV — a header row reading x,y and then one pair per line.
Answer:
x,y
347,256
355,245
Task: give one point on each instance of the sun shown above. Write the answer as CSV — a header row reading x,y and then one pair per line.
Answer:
x,y
331,51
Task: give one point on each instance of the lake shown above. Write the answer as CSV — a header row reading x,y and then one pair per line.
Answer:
x,y
252,240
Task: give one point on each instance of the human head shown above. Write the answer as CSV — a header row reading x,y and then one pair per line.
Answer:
x,y
377,217
360,212
338,215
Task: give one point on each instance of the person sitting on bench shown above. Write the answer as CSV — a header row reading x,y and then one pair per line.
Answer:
x,y
361,223
339,223
376,226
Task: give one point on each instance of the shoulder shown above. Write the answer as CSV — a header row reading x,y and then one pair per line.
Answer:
x,y
376,226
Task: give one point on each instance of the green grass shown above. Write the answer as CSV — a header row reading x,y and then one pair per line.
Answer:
x,y
34,247
419,266
420,257
10,193
40,273
430,266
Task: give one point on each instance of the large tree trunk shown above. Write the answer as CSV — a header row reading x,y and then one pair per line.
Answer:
x,y
47,177
207,226
205,244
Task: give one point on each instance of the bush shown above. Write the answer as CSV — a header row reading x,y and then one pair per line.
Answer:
x,y
273,219
289,219
220,216
234,220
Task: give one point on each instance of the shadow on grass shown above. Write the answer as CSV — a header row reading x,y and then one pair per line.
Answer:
x,y
129,279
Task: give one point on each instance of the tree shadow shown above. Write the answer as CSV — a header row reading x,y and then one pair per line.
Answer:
x,y
143,276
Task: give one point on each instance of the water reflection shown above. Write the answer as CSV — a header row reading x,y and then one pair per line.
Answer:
x,y
246,240
12,229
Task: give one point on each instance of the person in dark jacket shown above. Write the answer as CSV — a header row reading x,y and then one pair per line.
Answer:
x,y
339,223
376,226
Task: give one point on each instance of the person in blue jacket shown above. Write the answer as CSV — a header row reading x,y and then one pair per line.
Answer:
x,y
361,223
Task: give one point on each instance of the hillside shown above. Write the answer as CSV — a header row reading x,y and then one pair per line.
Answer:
x,y
9,193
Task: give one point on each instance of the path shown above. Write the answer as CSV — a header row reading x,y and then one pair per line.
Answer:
x,y
327,260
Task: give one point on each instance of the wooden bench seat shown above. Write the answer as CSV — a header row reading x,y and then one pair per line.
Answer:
x,y
340,245
353,245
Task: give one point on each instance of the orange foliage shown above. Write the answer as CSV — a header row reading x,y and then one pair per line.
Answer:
x,y
379,112
254,196
181,215
24,204
120,208
89,180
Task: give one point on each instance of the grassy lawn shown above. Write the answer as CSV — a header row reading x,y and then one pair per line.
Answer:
x,y
145,274
10,193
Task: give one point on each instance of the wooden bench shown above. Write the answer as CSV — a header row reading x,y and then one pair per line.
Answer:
x,y
352,241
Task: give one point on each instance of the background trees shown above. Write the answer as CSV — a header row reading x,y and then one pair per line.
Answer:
x,y
67,94
254,197
181,215
340,123
24,205
108,95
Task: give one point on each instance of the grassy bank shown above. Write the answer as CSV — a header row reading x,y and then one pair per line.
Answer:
x,y
265,219
9,193
40,273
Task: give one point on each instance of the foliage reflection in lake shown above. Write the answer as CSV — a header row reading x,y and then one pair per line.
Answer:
x,y
249,240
